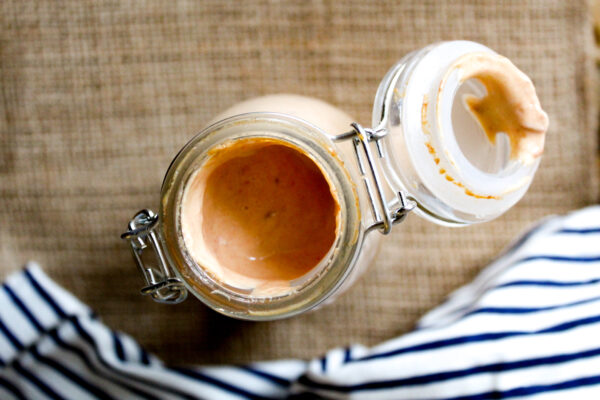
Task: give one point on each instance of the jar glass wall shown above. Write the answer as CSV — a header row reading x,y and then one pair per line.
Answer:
x,y
323,280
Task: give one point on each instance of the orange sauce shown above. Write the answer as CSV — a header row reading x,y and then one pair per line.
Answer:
x,y
263,210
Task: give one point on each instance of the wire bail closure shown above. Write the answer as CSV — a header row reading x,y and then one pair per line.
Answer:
x,y
162,285
385,213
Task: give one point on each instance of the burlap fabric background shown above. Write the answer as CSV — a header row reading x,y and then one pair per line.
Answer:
x,y
98,96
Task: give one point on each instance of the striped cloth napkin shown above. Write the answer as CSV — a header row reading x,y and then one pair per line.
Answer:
x,y
528,326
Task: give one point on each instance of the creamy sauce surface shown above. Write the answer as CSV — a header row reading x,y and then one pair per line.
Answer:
x,y
259,214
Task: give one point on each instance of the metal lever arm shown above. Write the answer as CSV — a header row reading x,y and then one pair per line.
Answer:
x,y
162,285
385,216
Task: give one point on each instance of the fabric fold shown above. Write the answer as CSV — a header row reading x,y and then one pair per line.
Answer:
x,y
526,326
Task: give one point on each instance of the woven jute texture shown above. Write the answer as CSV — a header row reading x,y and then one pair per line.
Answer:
x,y
98,97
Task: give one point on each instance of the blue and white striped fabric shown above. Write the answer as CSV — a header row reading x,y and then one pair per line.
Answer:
x,y
527,327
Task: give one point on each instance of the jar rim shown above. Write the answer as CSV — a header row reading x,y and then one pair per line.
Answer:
x,y
314,143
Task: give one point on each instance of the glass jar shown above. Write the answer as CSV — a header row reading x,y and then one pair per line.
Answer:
x,y
425,153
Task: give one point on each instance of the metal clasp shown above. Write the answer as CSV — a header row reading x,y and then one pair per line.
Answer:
x,y
384,213
162,284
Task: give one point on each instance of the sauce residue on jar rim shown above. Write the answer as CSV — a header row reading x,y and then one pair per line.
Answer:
x,y
510,106
258,215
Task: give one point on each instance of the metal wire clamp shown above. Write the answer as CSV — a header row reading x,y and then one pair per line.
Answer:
x,y
162,285
384,213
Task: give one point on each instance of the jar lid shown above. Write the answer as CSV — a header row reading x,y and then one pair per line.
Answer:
x,y
436,150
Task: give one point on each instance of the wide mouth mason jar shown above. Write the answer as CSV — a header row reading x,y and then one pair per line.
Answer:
x,y
279,204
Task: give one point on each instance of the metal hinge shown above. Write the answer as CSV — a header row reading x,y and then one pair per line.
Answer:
x,y
161,284
384,213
